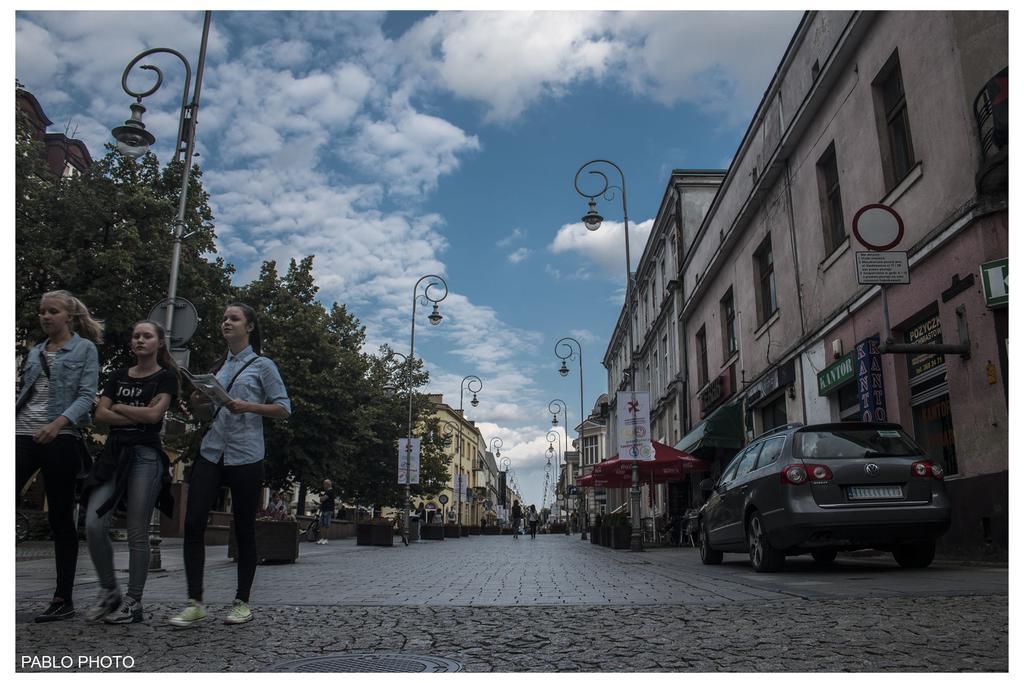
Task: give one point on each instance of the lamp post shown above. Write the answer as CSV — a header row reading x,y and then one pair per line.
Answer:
x,y
467,381
592,220
564,372
133,140
505,463
435,319
554,407
495,451
552,436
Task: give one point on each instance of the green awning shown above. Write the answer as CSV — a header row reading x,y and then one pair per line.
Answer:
x,y
721,429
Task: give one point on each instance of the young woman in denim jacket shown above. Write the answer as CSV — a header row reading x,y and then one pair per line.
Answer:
x,y
133,471
231,455
58,389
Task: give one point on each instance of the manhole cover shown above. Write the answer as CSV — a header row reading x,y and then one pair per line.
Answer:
x,y
370,663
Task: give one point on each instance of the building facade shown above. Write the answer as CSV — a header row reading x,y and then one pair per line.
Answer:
x,y
900,109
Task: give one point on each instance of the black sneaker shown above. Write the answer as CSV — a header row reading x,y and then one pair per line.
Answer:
x,y
56,612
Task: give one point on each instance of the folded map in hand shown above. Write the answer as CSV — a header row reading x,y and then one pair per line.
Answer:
x,y
209,387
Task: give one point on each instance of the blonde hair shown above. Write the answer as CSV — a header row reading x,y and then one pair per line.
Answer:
x,y
81,321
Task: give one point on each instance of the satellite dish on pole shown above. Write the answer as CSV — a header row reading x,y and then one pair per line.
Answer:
x,y
185,322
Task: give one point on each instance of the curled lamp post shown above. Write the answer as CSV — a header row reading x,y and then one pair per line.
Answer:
x,y
556,406
133,140
450,429
467,381
495,451
564,351
552,436
592,220
434,318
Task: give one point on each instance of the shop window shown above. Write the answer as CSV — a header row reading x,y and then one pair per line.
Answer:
x,y
774,414
929,394
849,403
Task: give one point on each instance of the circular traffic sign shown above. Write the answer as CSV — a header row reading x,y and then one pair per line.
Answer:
x,y
878,227
443,499
185,322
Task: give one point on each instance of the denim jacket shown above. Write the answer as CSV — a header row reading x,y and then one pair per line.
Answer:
x,y
74,375
239,438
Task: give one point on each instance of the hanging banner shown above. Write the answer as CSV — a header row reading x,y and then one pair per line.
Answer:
x,y
408,461
502,513
634,425
459,483
869,381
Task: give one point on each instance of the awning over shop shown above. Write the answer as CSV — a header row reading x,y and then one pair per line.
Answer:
x,y
721,429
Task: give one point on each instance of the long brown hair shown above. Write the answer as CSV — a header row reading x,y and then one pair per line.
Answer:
x,y
163,354
81,321
255,338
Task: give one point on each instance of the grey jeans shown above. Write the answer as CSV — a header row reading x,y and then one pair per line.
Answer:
x,y
143,487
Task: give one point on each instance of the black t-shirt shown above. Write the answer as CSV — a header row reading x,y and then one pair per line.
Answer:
x,y
139,392
328,504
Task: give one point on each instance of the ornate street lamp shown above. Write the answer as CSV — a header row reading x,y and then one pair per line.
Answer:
x,y
429,296
133,140
564,351
555,407
467,381
592,220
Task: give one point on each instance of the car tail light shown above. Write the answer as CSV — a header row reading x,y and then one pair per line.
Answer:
x,y
799,474
926,468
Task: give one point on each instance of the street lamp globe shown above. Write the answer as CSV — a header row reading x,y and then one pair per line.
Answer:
x,y
133,140
475,402
435,316
554,421
563,371
592,219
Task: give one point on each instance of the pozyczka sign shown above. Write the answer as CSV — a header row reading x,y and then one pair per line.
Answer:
x,y
634,425
409,461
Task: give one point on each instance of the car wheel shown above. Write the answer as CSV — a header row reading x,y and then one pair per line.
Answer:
x,y
763,557
708,555
824,558
915,556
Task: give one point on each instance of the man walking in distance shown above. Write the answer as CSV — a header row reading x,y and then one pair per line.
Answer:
x,y
326,510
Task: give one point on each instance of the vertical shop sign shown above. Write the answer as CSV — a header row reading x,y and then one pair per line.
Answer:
x,y
869,381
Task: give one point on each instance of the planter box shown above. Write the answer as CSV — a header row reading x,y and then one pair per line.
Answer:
x,y
606,536
432,532
275,541
451,531
490,531
465,531
473,530
595,535
374,534
506,532
620,537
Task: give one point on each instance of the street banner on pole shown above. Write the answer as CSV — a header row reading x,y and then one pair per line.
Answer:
x,y
408,461
459,482
634,425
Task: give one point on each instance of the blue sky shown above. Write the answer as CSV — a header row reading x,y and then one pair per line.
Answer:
x,y
394,145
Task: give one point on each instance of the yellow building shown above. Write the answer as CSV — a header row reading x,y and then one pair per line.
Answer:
x,y
464,461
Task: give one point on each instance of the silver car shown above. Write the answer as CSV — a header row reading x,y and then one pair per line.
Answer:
x,y
823,488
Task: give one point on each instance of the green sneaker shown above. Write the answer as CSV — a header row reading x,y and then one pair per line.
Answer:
x,y
239,613
188,616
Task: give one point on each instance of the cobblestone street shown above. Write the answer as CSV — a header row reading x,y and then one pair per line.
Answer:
x,y
494,604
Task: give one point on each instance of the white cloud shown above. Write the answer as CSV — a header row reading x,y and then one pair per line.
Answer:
x,y
519,255
604,247
515,235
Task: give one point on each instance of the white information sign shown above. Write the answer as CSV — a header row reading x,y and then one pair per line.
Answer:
x,y
634,425
408,461
459,483
882,268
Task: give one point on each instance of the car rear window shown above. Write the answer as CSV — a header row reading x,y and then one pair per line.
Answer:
x,y
836,443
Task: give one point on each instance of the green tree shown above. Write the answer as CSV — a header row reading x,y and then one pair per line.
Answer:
x,y
106,235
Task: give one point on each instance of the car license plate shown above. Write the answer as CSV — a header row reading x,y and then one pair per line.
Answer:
x,y
874,492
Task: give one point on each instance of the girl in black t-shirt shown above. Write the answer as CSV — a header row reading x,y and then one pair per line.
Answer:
x,y
132,471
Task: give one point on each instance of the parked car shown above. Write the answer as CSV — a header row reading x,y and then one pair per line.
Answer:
x,y
823,488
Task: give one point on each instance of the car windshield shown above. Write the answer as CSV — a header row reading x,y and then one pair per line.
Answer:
x,y
838,442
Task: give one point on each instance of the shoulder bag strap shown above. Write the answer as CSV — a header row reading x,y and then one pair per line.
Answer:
x,y
232,382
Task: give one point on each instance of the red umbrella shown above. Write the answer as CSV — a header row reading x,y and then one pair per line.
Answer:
x,y
669,464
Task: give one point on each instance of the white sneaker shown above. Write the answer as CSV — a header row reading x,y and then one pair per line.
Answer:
x,y
324,541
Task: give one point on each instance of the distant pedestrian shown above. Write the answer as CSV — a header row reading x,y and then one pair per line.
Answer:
x,y
55,398
517,520
327,499
421,512
133,471
231,454
534,519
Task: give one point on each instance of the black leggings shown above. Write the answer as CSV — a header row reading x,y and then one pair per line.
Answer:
x,y
204,485
60,463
